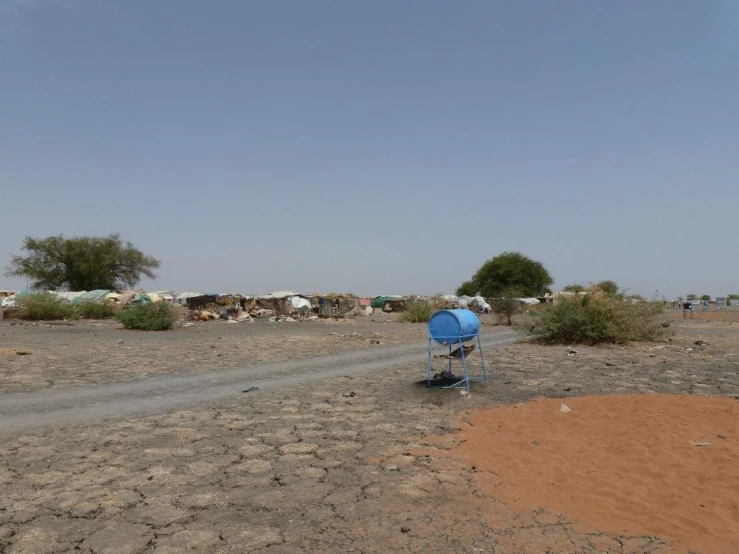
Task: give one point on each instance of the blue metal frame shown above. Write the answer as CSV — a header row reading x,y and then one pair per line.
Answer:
x,y
465,380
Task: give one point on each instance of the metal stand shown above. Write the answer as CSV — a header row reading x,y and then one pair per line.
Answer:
x,y
465,380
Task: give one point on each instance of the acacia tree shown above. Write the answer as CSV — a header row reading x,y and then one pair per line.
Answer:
x,y
506,271
609,287
573,288
81,263
468,288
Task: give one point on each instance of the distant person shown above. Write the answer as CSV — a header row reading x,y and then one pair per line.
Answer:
x,y
687,307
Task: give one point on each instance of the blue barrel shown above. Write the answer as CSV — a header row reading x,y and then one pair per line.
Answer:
x,y
453,326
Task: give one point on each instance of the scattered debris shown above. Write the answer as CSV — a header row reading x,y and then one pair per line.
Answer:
x,y
564,408
446,375
350,394
700,443
250,389
457,352
701,343
404,529
572,352
722,437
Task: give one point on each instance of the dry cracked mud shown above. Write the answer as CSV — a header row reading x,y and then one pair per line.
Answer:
x,y
344,465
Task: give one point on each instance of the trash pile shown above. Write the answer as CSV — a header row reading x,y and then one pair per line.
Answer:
x,y
473,303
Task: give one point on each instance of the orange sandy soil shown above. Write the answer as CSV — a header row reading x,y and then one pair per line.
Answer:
x,y
659,464
708,315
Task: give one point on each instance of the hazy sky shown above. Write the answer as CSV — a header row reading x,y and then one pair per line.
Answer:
x,y
378,147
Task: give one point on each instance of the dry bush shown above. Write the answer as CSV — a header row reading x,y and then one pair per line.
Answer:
x,y
420,311
598,318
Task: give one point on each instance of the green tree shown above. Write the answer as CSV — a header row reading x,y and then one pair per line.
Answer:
x,y
573,288
509,270
468,288
81,263
691,296
733,297
609,287
706,297
507,304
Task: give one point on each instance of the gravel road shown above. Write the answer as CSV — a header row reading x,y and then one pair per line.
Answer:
x,y
29,411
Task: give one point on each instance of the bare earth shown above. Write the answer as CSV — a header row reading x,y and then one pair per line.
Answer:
x,y
86,352
349,464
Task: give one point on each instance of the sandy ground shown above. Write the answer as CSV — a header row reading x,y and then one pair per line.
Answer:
x,y
638,465
344,465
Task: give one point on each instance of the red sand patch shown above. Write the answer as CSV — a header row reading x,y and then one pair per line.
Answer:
x,y
727,315
624,465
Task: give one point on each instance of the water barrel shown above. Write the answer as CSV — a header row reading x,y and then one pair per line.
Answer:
x,y
453,326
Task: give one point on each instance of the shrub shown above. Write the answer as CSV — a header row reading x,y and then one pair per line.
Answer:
x,y
45,306
94,310
147,316
420,311
507,305
598,318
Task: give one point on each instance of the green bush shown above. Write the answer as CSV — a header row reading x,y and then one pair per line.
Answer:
x,y
147,316
507,304
94,310
598,318
420,311
45,306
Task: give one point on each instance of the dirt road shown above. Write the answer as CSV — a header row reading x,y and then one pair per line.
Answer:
x,y
28,411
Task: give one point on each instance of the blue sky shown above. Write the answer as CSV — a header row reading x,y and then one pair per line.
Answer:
x,y
377,147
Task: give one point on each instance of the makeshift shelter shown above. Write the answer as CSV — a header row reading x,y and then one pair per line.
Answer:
x,y
183,296
389,303
69,296
140,297
14,300
284,302
201,301
337,305
91,296
120,298
300,303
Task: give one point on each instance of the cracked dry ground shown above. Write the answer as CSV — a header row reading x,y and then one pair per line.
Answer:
x,y
319,469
